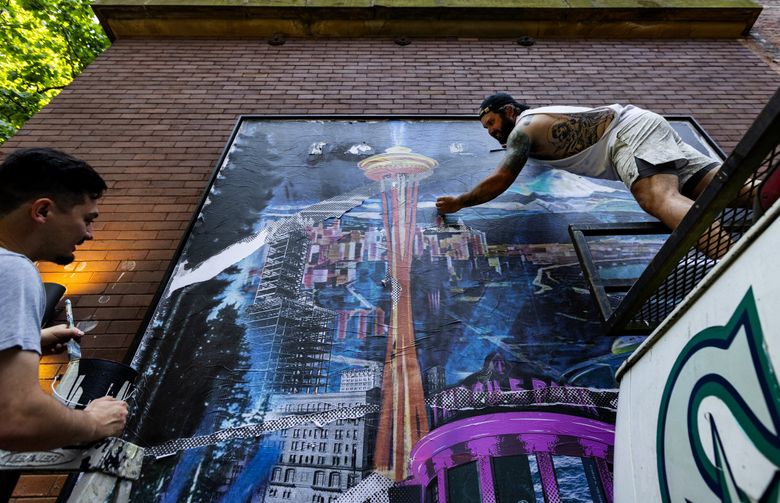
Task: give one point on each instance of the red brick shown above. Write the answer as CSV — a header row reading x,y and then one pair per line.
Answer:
x,y
77,289
35,485
91,342
66,278
97,300
108,354
105,277
33,500
52,366
130,288
164,255
124,327
126,255
136,300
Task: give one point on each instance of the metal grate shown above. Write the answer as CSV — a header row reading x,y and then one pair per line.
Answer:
x,y
720,217
727,230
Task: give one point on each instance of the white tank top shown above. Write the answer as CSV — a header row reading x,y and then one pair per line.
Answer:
x,y
594,161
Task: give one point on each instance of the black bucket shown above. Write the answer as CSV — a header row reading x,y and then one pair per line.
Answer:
x,y
86,379
54,292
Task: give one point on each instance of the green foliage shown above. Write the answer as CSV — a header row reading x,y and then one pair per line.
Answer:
x,y
44,44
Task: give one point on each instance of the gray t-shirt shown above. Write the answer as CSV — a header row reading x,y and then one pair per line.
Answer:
x,y
22,303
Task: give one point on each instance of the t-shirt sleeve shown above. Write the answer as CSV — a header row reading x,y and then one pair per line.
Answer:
x,y
22,303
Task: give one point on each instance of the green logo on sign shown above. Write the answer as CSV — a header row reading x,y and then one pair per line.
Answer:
x,y
719,423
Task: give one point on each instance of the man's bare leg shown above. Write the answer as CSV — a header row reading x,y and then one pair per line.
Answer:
x,y
659,196
746,194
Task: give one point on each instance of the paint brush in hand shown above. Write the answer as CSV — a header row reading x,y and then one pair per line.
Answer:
x,y
74,349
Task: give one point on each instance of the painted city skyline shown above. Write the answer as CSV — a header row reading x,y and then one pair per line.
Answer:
x,y
301,270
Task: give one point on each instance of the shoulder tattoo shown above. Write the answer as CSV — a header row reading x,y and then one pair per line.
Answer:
x,y
574,133
517,150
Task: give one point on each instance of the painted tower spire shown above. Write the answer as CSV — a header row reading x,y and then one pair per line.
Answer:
x,y
403,419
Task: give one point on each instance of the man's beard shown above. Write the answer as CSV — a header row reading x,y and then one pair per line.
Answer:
x,y
64,259
507,126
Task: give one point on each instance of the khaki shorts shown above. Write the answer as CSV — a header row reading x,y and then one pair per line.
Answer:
x,y
649,146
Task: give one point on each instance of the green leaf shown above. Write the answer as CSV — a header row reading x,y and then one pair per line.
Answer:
x,y
43,44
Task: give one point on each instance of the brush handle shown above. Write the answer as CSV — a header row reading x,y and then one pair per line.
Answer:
x,y
74,349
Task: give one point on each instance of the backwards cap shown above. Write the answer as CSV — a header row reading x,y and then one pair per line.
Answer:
x,y
495,102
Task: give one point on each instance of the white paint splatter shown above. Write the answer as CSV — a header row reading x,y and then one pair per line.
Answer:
x,y
544,272
456,148
127,265
182,276
87,325
316,148
209,268
360,149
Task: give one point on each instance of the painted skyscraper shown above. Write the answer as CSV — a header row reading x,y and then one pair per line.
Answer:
x,y
402,420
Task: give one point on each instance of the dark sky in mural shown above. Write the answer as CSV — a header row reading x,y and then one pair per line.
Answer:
x,y
285,286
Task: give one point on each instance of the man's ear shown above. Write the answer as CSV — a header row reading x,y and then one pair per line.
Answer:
x,y
510,112
41,208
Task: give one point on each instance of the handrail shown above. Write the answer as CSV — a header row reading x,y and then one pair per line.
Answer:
x,y
679,265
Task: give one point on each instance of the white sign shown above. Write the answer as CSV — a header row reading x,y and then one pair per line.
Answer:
x,y
699,411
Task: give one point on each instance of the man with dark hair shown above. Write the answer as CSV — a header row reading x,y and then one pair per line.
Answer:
x,y
48,201
614,142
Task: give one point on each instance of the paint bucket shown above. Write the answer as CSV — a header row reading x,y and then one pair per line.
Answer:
x,y
86,379
54,292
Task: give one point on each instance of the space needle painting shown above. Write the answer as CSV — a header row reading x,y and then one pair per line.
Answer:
x,y
402,419
332,338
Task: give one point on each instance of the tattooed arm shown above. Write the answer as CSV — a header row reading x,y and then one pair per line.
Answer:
x,y
517,149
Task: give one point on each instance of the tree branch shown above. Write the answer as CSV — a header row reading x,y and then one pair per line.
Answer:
x,y
49,88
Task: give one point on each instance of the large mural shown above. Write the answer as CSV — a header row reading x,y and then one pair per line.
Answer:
x,y
327,336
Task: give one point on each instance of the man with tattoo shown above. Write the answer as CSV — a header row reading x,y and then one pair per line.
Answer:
x,y
614,142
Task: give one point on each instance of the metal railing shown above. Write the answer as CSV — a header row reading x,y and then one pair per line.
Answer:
x,y
718,219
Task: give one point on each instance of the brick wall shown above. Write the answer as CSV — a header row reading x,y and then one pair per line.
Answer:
x,y
154,115
765,34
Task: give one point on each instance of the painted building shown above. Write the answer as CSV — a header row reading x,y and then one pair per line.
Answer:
x,y
290,330
316,463
505,434
155,111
